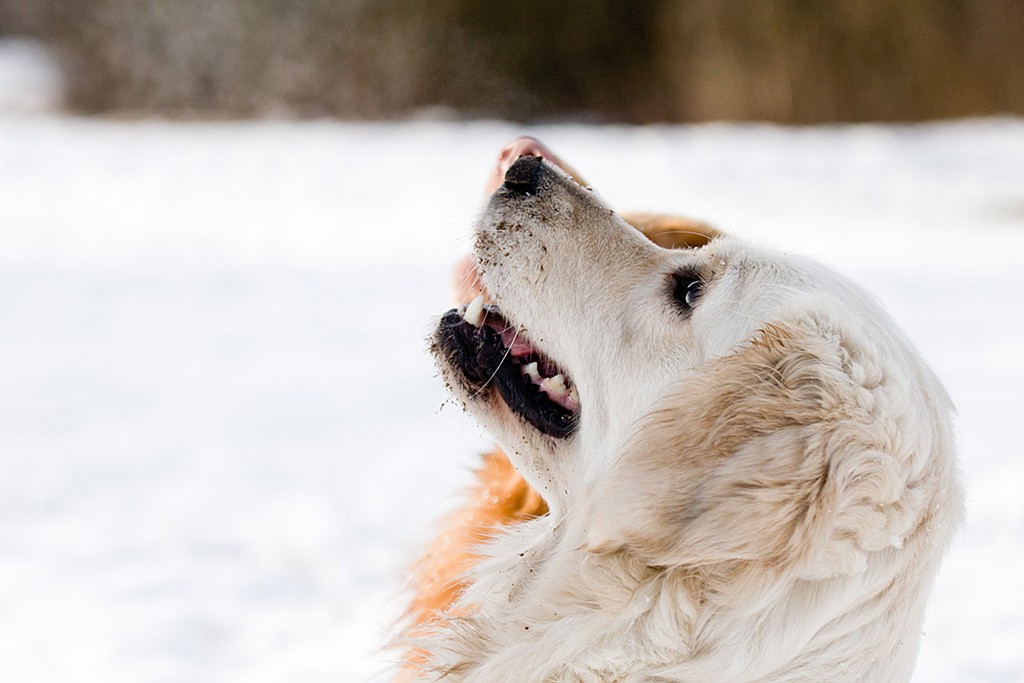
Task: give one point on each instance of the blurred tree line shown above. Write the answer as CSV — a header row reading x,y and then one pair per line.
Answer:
x,y
793,61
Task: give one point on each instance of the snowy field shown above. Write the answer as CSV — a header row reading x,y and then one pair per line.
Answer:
x,y
221,438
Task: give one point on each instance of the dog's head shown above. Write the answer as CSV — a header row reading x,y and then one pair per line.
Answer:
x,y
701,404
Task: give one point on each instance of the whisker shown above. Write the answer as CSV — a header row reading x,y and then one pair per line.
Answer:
x,y
508,352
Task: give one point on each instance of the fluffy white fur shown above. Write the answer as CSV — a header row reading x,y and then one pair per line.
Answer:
x,y
760,490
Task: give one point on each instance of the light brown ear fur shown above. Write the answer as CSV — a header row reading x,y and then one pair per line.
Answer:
x,y
672,232
771,455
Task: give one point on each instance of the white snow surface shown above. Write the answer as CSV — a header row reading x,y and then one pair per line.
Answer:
x,y
222,439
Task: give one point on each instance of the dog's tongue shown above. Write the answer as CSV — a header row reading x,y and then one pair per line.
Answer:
x,y
522,147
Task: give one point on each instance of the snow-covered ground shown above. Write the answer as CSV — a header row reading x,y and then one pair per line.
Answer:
x,y
221,438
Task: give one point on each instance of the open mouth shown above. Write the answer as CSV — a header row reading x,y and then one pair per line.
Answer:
x,y
492,352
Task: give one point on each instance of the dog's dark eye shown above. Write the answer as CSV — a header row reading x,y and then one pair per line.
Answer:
x,y
687,288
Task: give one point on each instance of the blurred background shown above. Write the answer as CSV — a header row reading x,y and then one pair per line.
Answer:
x,y
227,228
596,60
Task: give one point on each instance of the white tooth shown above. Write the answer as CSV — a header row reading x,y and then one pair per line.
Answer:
x,y
531,370
474,310
554,385
574,396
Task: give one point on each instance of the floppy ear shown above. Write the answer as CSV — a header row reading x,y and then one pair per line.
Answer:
x,y
777,454
672,232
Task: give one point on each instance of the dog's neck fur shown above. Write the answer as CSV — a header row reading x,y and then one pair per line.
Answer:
x,y
543,608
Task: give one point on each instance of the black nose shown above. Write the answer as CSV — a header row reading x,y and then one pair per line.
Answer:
x,y
524,174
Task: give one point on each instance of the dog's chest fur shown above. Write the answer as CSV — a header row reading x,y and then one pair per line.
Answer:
x,y
541,608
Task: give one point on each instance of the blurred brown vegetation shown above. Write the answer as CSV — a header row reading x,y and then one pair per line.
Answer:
x,y
793,61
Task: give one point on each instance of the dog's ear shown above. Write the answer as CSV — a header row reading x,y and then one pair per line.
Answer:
x,y
672,232
783,453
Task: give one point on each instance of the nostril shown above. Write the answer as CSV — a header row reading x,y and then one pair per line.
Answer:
x,y
524,174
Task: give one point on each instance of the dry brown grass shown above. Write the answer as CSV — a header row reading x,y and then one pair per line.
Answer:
x,y
789,60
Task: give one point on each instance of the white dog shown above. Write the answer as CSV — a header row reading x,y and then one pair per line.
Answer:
x,y
749,470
